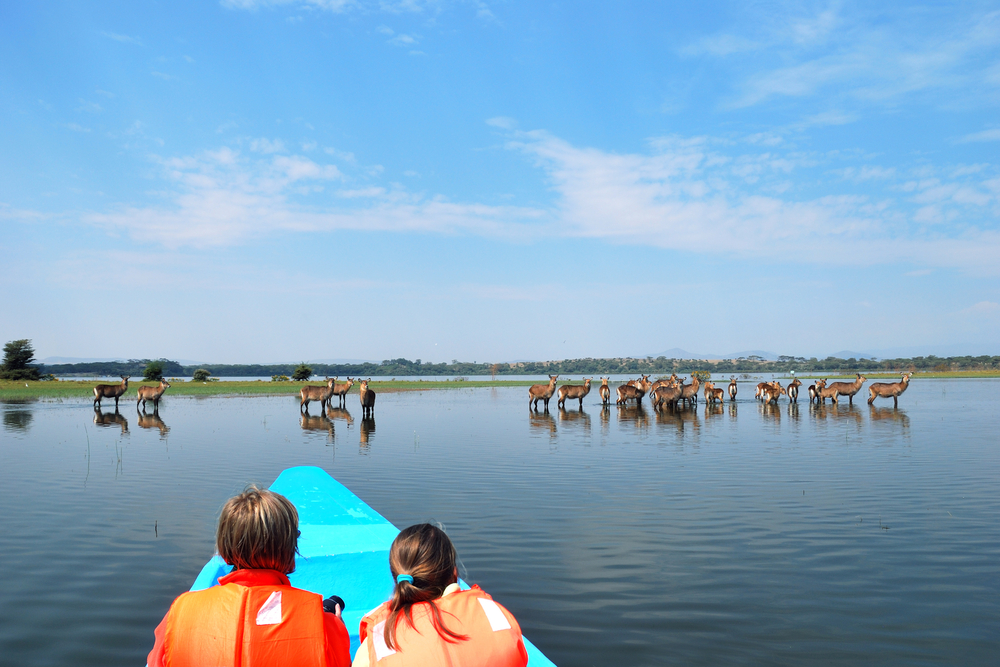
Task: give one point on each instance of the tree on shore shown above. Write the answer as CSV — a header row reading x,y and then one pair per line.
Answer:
x,y
153,371
201,375
302,372
17,357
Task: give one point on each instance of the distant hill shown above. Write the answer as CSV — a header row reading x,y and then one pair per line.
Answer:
x,y
678,353
52,361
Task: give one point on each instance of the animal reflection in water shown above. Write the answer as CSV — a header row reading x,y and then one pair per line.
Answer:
x,y
636,417
680,418
367,432
837,412
147,420
542,422
714,409
771,411
605,418
110,419
341,414
320,422
575,418
889,415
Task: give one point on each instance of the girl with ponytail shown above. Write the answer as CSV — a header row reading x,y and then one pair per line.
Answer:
x,y
429,620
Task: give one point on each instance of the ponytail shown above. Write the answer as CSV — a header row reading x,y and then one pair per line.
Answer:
x,y
422,561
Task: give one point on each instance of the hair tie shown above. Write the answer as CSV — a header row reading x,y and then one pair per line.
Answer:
x,y
400,578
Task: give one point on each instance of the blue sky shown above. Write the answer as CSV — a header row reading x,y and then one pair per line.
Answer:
x,y
257,181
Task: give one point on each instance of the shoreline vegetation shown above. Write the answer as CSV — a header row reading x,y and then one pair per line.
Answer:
x,y
77,389
589,366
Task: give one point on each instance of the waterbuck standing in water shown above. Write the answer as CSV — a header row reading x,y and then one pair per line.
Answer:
x,y
110,391
887,389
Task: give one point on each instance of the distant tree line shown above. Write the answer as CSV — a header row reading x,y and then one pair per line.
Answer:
x,y
132,367
624,365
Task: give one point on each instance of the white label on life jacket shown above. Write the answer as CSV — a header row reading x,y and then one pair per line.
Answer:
x,y
496,618
378,638
270,612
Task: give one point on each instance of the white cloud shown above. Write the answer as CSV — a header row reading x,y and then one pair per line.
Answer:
x,y
222,197
265,145
985,135
693,194
336,6
686,197
164,76
719,46
983,308
861,60
126,39
76,128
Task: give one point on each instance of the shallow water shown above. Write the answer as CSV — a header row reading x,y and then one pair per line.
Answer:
x,y
740,535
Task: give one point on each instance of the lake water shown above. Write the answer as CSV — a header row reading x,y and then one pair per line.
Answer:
x,y
732,535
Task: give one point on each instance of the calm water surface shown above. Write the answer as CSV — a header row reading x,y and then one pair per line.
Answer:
x,y
738,535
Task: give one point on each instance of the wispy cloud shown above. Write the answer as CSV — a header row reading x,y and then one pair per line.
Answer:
x,y
337,6
88,106
848,56
126,39
223,198
985,135
685,196
693,194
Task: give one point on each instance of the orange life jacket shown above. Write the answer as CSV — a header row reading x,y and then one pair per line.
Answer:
x,y
267,625
494,635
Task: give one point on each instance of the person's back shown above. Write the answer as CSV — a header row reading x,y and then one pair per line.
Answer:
x,y
254,617
429,620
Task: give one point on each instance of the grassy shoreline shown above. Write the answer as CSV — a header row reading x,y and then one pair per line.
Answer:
x,y
85,389
10,390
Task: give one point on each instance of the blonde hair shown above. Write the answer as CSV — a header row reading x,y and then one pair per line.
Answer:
x,y
425,553
258,530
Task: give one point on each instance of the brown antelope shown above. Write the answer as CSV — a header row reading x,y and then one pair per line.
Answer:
x,y
633,390
110,391
887,389
849,389
793,390
814,390
712,394
732,388
367,397
760,390
151,394
110,419
573,391
542,392
771,392
689,392
314,393
825,392
341,391
605,392
666,395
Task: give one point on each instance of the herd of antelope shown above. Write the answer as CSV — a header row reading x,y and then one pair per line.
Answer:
x,y
673,392
338,389
144,394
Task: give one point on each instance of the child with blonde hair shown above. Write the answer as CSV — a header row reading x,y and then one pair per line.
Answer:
x,y
254,616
